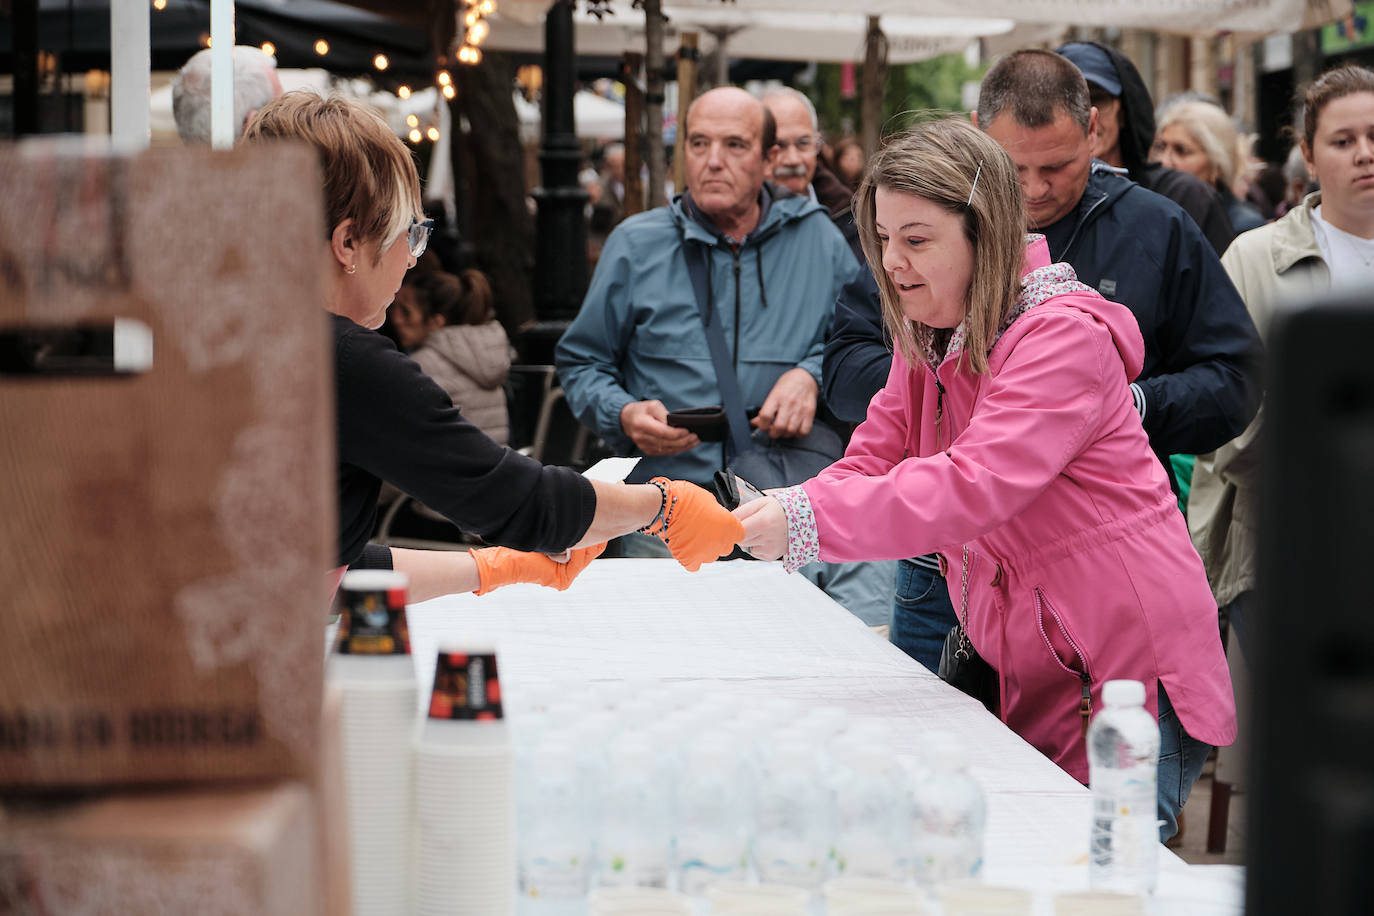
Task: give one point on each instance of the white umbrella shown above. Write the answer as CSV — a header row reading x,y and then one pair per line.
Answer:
x,y
1168,15
593,117
762,33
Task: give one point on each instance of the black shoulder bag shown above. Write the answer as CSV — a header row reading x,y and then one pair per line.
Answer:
x,y
960,664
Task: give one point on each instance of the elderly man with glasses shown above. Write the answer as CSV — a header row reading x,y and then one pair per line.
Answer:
x,y
798,166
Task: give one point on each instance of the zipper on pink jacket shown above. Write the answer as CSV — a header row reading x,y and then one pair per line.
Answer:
x,y
1085,702
939,409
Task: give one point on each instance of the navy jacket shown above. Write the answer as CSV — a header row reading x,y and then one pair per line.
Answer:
x,y
1201,378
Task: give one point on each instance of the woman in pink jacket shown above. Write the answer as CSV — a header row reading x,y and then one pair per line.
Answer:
x,y
1007,441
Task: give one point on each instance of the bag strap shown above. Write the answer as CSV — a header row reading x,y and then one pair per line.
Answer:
x,y
696,256
965,646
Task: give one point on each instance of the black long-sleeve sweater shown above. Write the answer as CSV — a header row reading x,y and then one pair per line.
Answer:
x,y
396,425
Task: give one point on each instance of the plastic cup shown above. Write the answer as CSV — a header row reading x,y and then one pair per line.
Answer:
x,y
637,901
969,898
846,894
758,899
1098,903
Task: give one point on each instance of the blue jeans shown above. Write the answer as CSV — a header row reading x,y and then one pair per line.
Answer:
x,y
1181,757
1241,613
921,614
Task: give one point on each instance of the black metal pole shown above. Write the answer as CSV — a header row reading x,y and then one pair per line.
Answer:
x,y
560,275
25,67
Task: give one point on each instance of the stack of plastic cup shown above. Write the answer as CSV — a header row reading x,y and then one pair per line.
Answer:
x,y
374,671
464,840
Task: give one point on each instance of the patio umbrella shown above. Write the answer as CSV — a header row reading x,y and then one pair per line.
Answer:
x,y
754,33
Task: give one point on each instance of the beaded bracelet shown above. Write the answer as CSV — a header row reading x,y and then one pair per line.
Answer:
x,y
662,508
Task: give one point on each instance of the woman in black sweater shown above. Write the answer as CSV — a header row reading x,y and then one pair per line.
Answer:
x,y
396,425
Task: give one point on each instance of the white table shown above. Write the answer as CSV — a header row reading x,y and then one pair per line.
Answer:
x,y
752,630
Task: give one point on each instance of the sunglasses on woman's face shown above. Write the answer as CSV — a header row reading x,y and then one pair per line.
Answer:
x,y
419,236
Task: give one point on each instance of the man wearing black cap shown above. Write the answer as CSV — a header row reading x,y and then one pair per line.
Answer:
x,y
1125,130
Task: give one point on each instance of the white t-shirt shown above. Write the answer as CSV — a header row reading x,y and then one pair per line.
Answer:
x,y
1349,257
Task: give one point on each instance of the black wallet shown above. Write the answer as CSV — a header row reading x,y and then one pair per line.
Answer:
x,y
709,423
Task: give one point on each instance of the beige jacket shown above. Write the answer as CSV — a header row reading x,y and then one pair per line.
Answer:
x,y
471,363
1272,266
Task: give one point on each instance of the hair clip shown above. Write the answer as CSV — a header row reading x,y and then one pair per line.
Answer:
x,y
975,183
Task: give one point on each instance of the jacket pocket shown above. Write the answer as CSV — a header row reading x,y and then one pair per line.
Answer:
x,y
1066,651
1061,645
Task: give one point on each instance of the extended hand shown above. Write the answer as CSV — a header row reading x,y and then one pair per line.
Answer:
x,y
696,528
498,566
790,406
645,422
765,528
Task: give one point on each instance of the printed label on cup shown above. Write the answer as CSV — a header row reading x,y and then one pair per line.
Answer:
x,y
466,686
372,621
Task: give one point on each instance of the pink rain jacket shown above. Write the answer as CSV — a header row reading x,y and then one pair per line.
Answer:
x,y
1080,567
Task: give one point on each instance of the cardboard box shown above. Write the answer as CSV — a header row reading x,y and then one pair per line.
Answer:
x,y
205,852
166,534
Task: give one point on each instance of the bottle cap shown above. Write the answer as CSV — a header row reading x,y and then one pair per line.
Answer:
x,y
1123,693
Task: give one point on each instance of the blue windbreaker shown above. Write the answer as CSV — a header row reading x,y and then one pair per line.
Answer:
x,y
639,335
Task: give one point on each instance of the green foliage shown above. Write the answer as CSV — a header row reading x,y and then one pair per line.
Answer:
x,y
910,90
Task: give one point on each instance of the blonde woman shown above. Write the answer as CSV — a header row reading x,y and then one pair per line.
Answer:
x,y
1006,440
1198,137
396,425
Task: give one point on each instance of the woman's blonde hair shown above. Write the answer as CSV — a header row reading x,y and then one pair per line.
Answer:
x,y
369,175
1212,129
938,161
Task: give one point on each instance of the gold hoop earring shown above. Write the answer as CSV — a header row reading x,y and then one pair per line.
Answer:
x,y
351,269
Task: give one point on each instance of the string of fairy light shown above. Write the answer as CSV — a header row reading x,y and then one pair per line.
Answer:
x,y
471,30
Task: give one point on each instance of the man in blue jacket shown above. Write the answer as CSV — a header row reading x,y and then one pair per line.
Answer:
x,y
776,262
1200,384
637,348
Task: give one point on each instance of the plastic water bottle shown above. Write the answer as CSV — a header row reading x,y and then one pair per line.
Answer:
x,y
950,816
872,813
712,826
554,832
635,819
1123,759
794,817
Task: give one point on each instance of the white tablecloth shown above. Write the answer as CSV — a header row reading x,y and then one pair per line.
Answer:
x,y
751,630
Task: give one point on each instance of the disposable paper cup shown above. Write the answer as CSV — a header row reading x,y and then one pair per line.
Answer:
x,y
735,895
376,717
363,668
852,896
891,907
464,831
637,901
969,898
1098,903
760,908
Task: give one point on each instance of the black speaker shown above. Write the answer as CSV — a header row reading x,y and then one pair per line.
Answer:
x,y
1310,820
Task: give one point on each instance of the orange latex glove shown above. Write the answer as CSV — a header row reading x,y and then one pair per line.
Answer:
x,y
498,566
696,528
